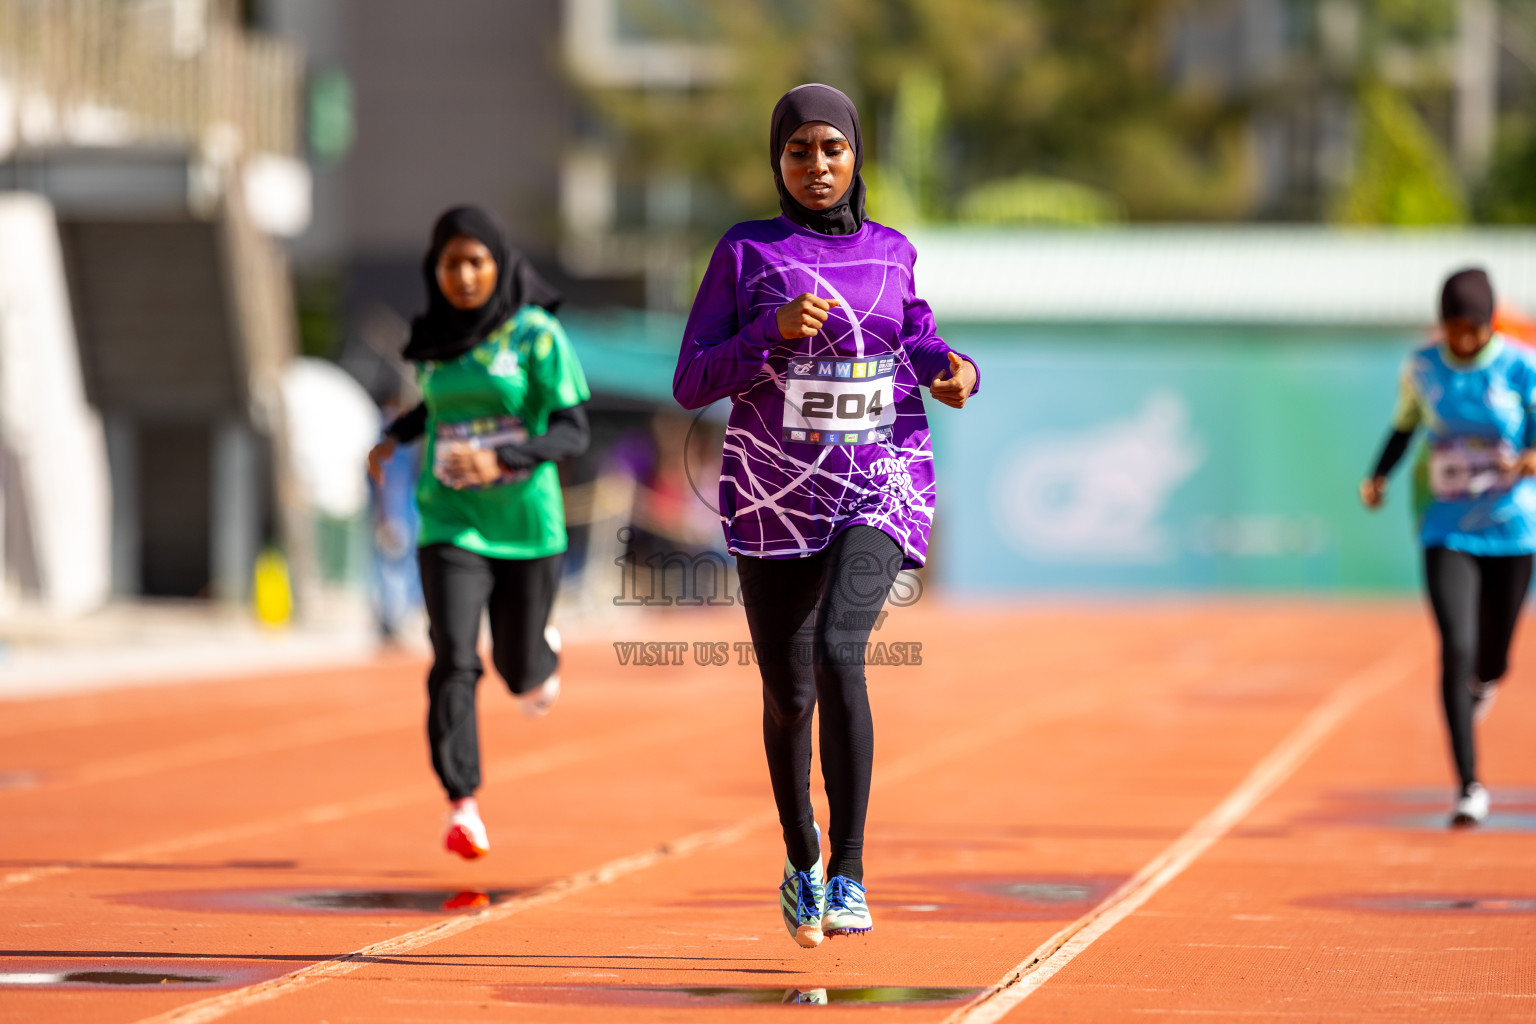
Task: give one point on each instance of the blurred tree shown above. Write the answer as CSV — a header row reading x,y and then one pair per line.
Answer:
x,y
318,304
1508,195
956,95
1402,174
1035,199
1070,111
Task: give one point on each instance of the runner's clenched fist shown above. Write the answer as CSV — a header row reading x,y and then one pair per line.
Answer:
x,y
803,317
956,387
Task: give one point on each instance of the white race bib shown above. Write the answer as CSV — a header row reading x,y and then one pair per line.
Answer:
x,y
839,401
485,432
1462,468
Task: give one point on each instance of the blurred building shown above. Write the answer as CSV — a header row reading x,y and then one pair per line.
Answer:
x,y
412,108
162,136
1297,67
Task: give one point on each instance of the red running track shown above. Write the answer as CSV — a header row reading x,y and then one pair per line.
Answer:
x,y
1164,812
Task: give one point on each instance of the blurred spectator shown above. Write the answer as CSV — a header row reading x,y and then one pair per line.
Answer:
x,y
675,465
396,579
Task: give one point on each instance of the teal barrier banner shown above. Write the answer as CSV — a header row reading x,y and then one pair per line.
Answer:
x,y
1171,458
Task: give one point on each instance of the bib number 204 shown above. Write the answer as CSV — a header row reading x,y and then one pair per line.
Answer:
x,y
850,405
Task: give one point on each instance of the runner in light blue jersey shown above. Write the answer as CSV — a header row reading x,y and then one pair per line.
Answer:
x,y
1474,393
1477,415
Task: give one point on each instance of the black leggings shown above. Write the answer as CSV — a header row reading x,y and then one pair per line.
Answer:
x,y
810,620
457,586
1476,599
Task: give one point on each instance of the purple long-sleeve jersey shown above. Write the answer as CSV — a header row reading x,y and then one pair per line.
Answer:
x,y
825,432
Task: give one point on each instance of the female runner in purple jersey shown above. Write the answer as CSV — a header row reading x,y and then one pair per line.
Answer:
x,y
811,324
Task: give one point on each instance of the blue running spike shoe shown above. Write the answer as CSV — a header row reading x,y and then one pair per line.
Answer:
x,y
847,913
803,900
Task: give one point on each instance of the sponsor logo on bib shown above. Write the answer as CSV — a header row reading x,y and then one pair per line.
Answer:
x,y
1465,468
836,402
484,432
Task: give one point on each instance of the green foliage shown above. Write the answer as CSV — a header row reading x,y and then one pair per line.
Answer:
x,y
917,119
1403,176
1033,199
954,94
1509,195
318,298
1164,175
1064,111
1416,22
888,199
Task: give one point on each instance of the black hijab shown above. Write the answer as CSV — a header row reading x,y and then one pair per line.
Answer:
x,y
445,331
1469,294
815,102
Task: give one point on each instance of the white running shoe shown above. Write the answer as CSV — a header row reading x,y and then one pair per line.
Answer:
x,y
1471,806
1483,695
809,996
847,911
803,900
536,703
466,835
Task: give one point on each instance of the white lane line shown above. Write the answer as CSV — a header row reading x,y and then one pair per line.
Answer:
x,y
219,1006
1060,949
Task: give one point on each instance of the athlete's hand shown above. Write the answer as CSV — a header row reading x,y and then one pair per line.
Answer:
x,y
1372,491
954,386
1525,465
804,316
467,465
379,455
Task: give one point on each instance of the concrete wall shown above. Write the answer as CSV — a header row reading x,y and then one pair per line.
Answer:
x,y
53,460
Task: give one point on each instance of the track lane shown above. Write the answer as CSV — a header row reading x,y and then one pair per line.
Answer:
x,y
1048,711
1066,945
1106,692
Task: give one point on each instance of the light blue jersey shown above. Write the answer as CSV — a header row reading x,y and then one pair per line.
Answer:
x,y
1478,415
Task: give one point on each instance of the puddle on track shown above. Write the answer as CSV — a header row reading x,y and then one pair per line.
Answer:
x,y
88,971
421,901
1428,903
324,901
1421,809
1031,898
111,979
732,995
18,780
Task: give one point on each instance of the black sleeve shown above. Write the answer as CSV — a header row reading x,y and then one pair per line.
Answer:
x,y
566,436
408,426
1391,451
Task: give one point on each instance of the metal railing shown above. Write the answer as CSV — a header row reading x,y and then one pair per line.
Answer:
x,y
147,71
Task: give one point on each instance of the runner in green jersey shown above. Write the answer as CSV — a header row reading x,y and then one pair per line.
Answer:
x,y
501,403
